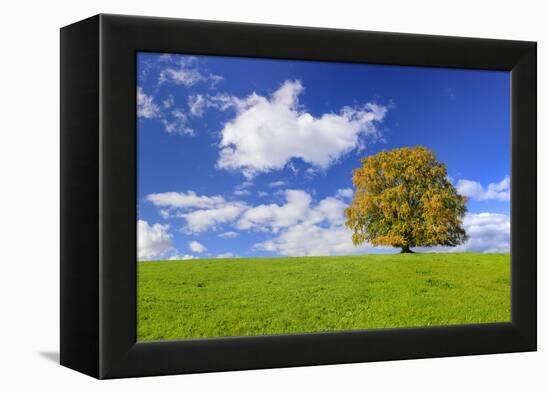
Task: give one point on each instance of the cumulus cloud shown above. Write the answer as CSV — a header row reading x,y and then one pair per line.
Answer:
x,y
146,106
329,210
226,255
291,222
319,230
241,189
184,200
228,235
489,233
207,219
244,184
197,247
297,227
323,233
497,191
274,217
200,212
300,226
268,132
306,239
154,241
344,193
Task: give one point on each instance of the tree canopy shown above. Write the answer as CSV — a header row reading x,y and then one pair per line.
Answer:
x,y
403,198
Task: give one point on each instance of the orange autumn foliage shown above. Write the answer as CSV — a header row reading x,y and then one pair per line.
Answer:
x,y
403,198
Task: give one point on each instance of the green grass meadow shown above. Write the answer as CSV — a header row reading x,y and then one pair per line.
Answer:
x,y
257,296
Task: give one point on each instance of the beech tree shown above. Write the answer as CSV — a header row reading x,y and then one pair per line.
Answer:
x,y
404,199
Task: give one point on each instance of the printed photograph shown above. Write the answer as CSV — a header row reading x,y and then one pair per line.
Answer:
x,y
286,197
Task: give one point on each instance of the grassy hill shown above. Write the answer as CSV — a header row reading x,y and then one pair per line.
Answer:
x,y
241,297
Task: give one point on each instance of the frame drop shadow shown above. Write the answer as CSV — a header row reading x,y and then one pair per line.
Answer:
x,y
52,356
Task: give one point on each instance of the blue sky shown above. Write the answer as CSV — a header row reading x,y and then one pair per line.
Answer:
x,y
253,157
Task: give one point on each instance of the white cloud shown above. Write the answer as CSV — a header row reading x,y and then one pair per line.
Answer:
x,y
197,104
174,120
206,219
181,71
184,72
244,184
275,184
241,192
184,200
241,189
302,227
344,193
214,79
226,255
146,106
197,247
228,235
268,132
176,123
262,194
154,241
200,212
293,221
293,168
182,76
319,230
489,232
274,217
224,102
310,172
472,189
168,102
330,210
165,213
182,257
306,239
298,227
469,188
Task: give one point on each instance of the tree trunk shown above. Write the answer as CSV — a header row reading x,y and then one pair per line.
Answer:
x,y
406,250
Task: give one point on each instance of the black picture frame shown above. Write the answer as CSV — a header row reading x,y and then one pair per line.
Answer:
x,y
98,196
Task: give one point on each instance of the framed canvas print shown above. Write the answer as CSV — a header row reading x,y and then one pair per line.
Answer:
x,y
239,196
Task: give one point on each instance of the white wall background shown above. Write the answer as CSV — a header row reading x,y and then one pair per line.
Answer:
x,y
29,196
